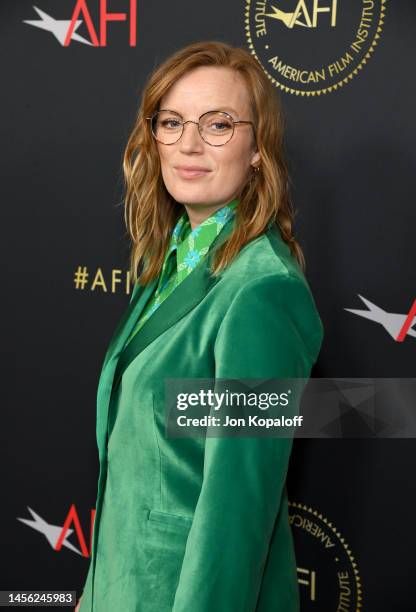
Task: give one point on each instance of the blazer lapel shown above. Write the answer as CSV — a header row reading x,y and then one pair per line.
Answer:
x,y
182,300
138,300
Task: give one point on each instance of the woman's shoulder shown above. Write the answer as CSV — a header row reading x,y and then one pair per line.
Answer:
x,y
266,255
266,284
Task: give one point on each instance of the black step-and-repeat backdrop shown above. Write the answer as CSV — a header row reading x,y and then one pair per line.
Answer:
x,y
72,73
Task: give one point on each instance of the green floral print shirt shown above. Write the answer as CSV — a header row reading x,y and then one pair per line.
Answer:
x,y
186,249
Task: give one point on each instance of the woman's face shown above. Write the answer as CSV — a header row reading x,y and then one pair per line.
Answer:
x,y
226,167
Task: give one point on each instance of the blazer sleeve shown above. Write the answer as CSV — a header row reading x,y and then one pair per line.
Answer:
x,y
271,330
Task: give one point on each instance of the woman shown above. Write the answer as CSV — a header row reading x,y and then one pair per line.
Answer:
x,y
201,524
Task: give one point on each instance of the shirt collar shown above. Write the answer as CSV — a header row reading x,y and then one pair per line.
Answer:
x,y
183,225
192,245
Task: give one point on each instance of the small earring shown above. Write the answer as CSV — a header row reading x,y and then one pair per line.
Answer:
x,y
256,168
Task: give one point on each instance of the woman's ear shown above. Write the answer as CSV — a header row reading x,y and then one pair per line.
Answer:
x,y
255,159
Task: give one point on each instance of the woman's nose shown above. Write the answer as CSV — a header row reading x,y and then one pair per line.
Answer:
x,y
191,138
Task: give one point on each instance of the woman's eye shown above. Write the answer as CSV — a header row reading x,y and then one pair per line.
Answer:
x,y
220,126
170,123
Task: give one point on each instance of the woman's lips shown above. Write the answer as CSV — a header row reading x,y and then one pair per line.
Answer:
x,y
189,173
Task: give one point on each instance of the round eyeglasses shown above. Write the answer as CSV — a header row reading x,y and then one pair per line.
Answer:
x,y
215,127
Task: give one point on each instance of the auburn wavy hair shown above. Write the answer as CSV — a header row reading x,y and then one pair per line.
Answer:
x,y
150,212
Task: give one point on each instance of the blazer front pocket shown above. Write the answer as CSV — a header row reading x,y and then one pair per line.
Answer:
x,y
163,550
175,522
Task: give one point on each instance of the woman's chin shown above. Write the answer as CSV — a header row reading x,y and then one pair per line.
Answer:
x,y
190,196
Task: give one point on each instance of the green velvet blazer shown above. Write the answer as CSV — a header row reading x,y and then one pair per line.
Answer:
x,y
200,524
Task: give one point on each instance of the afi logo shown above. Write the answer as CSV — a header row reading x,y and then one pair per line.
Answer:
x,y
310,17
397,325
65,29
57,535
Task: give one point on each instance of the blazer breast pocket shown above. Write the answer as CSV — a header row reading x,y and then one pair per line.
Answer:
x,y
164,548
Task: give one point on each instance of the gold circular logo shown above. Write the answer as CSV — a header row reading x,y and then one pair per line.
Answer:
x,y
327,572
313,47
